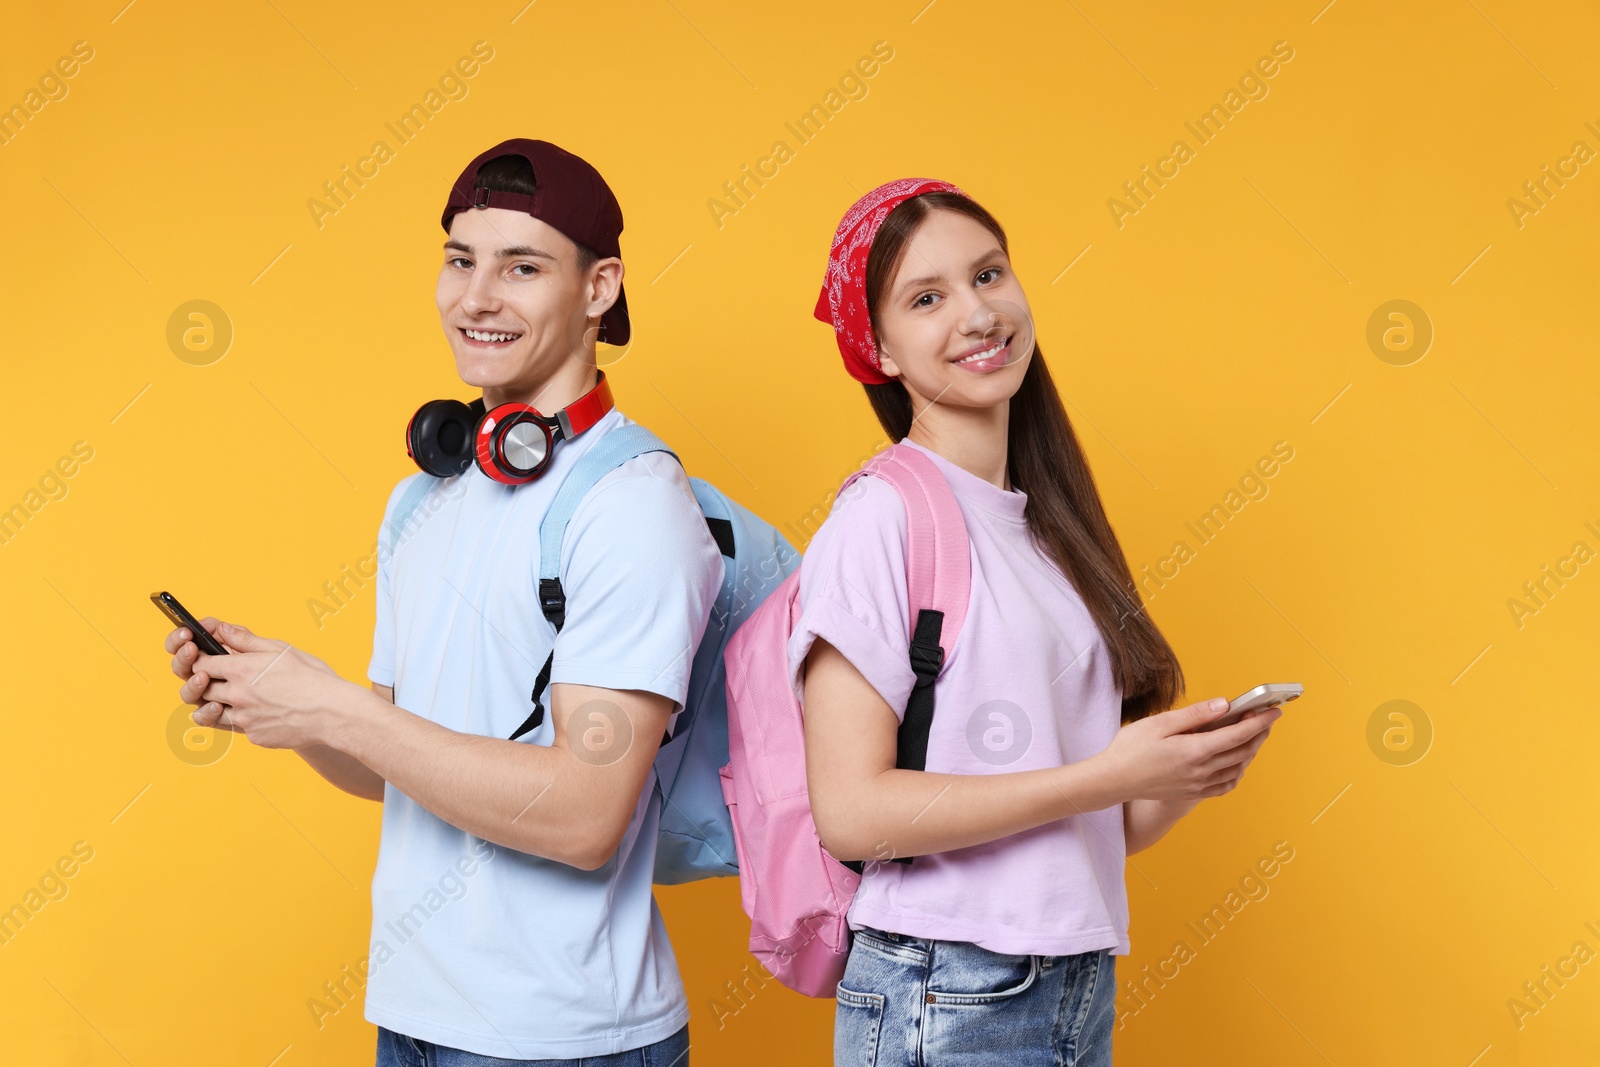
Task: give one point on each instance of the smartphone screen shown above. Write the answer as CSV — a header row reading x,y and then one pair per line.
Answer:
x,y
179,616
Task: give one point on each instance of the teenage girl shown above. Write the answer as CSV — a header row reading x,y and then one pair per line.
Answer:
x,y
1051,755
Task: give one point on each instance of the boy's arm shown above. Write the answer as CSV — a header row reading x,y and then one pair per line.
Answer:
x,y
640,572
344,770
570,801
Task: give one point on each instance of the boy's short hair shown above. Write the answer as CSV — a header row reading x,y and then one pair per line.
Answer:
x,y
514,174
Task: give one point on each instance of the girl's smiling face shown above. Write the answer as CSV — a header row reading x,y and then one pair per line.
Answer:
x,y
953,323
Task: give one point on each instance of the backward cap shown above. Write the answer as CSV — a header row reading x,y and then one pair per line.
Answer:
x,y
569,195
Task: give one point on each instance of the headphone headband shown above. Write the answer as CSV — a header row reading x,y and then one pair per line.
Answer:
x,y
587,410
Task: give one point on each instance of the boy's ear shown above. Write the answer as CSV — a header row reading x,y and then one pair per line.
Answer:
x,y
604,286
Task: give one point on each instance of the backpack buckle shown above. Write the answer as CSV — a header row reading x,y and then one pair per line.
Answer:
x,y
553,601
926,662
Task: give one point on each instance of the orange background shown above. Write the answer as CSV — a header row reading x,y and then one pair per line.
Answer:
x,y
1228,313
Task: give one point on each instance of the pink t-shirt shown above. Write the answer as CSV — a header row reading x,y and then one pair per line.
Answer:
x,y
1028,684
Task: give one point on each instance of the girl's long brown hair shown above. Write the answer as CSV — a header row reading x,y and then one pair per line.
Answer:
x,y
1064,513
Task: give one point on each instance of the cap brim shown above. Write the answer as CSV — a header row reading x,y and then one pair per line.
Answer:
x,y
615,329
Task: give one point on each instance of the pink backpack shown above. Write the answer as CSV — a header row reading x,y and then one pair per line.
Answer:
x,y
796,894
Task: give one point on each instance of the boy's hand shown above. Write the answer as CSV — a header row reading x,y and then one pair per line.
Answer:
x,y
277,695
180,643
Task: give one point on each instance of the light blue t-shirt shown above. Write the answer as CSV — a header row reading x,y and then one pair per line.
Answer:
x,y
477,946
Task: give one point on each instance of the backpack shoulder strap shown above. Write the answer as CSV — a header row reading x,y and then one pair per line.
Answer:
x,y
938,580
604,456
421,485
607,454
938,554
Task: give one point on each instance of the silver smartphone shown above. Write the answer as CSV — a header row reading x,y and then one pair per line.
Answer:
x,y
1269,695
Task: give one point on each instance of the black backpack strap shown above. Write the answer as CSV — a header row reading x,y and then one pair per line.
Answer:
x,y
722,534
927,657
621,445
911,742
553,602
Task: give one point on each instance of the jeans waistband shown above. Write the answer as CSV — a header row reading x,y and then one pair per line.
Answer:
x,y
898,939
925,945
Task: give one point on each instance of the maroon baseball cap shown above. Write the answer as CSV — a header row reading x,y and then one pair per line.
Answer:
x,y
569,195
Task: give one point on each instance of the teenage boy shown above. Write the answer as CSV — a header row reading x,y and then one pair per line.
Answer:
x,y
512,914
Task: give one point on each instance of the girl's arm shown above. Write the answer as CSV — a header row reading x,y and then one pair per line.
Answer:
x,y
1144,822
865,808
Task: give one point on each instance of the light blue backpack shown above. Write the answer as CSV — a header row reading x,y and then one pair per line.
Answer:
x,y
695,838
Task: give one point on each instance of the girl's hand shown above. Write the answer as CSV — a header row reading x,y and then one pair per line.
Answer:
x,y
1160,758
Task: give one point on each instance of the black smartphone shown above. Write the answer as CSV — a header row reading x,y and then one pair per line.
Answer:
x,y
180,617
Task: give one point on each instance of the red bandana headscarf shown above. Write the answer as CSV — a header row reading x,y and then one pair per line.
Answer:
x,y
842,303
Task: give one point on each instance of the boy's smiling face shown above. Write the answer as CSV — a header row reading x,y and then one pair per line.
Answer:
x,y
513,281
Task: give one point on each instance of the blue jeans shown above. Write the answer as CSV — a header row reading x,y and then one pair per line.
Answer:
x,y
913,1002
398,1050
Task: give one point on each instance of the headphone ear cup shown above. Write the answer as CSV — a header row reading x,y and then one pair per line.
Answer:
x,y
514,444
439,437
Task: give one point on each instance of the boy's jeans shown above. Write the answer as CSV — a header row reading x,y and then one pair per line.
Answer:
x,y
910,1000
398,1050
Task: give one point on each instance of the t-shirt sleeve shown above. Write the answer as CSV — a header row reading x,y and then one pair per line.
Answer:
x,y
380,668
853,592
641,573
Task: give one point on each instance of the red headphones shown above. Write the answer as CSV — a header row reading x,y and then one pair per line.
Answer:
x,y
512,444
